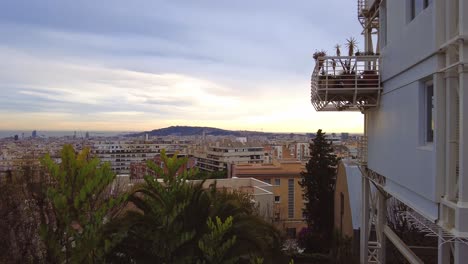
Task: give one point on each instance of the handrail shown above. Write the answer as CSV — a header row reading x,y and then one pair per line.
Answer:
x,y
362,150
349,83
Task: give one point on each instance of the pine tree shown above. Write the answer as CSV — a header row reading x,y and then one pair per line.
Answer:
x,y
216,244
318,182
81,205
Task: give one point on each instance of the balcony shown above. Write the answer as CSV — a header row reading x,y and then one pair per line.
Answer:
x,y
368,13
346,83
362,150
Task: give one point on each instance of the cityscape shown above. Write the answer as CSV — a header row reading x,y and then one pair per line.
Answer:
x,y
234,132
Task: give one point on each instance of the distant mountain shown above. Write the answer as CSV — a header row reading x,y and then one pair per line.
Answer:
x,y
197,131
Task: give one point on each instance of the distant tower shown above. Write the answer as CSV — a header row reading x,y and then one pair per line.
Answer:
x,y
146,137
22,135
74,135
34,134
87,135
16,137
344,136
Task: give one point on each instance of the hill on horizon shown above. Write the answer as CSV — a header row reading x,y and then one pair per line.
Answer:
x,y
195,131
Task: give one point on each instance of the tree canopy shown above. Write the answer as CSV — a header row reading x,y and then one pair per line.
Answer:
x,y
318,182
80,208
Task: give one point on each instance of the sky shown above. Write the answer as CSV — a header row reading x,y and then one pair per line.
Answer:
x,y
145,64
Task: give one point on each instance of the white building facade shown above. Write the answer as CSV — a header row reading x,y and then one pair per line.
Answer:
x,y
122,153
415,124
219,156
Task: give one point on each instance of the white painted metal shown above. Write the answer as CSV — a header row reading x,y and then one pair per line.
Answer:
x,y
364,237
431,177
402,247
345,83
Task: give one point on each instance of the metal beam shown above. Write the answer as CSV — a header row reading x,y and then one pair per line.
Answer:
x,y
364,220
402,247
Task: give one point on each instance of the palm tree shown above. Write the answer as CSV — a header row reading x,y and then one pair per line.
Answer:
x,y
169,219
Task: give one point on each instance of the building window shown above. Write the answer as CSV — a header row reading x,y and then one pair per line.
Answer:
x,y
429,111
291,232
416,6
267,181
277,199
341,204
277,182
291,198
426,112
383,26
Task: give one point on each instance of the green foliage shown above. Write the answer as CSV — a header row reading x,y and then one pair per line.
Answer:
x,y
342,250
204,175
173,222
318,182
81,207
215,244
256,260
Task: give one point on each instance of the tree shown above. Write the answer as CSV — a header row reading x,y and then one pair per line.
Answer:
x,y
169,222
215,244
318,182
20,214
80,207
203,175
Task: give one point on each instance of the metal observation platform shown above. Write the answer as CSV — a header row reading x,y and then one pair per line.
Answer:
x,y
346,83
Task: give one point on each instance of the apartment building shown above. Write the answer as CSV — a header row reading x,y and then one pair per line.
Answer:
x,y
122,153
288,194
222,154
411,84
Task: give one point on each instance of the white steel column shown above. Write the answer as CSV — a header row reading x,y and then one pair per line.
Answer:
x,y
451,133
443,255
440,126
364,220
461,218
381,223
463,90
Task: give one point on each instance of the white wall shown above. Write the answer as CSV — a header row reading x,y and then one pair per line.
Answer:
x,y
396,147
407,41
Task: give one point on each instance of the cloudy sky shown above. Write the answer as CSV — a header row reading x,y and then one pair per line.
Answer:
x,y
145,64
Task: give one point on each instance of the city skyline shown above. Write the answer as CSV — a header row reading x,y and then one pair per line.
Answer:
x,y
149,64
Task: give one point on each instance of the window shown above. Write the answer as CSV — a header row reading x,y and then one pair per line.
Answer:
x,y
267,181
291,232
426,113
341,204
291,198
383,24
277,199
416,6
429,113
277,182
341,211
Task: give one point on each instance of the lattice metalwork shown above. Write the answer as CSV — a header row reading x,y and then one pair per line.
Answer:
x,y
346,83
431,229
362,150
361,10
373,252
368,15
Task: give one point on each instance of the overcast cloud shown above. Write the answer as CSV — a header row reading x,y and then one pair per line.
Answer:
x,y
139,65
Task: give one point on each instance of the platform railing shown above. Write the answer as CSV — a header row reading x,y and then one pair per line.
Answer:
x,y
361,5
350,83
362,150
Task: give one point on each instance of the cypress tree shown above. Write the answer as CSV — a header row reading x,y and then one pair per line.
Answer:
x,y
318,182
